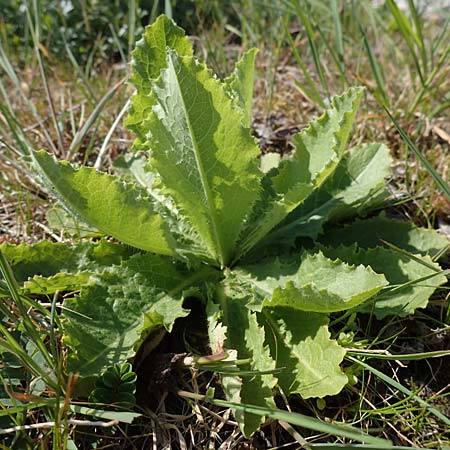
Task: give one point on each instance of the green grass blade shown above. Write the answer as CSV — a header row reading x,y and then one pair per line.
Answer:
x,y
28,324
304,421
403,389
103,148
438,110
408,35
118,45
354,446
121,416
443,37
430,79
6,65
274,63
12,346
413,257
418,25
309,89
376,69
15,128
405,357
444,186
338,35
132,6
298,419
34,29
334,55
89,93
309,30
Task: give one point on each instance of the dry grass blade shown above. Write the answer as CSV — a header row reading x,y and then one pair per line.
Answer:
x,y
35,33
82,132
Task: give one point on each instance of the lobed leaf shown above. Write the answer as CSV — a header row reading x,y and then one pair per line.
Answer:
x,y
148,59
320,146
411,282
303,348
318,150
118,209
239,85
244,339
357,185
205,158
369,233
58,283
310,282
48,259
131,300
299,347
149,56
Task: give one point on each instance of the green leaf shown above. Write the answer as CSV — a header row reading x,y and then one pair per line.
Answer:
x,y
269,161
320,146
318,150
408,291
205,158
48,259
239,85
357,185
132,166
105,323
244,339
148,59
369,233
118,209
60,282
303,348
61,221
310,282
150,54
323,285
135,167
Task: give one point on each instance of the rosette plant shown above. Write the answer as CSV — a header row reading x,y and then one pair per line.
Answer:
x,y
197,211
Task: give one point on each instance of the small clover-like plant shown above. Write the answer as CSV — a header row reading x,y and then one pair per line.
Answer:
x,y
116,386
199,212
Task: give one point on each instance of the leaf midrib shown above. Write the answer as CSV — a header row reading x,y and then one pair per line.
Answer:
x,y
203,179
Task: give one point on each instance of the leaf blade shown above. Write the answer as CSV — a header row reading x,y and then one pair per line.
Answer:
x,y
318,150
357,185
105,202
401,271
310,359
239,85
132,300
243,337
368,233
148,59
50,258
311,282
210,172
